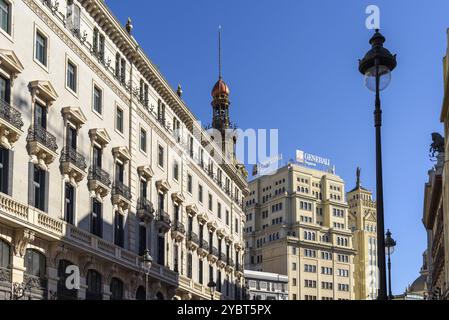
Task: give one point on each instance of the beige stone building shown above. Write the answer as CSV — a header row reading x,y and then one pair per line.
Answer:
x,y
100,159
297,224
363,224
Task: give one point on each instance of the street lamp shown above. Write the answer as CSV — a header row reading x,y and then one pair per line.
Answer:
x,y
389,247
212,285
146,265
376,66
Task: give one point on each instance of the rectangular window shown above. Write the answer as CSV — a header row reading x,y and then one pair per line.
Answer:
x,y
160,250
119,231
5,16
123,71
210,202
200,193
98,100
219,210
176,171
69,203
119,172
119,120
71,76
189,265
5,89
143,189
5,171
142,239
72,137
143,140
227,217
200,271
97,218
41,48
40,116
189,184
160,156
39,186
97,157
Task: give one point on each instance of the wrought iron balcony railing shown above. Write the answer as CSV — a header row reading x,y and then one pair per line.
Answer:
x,y
34,282
74,157
41,135
10,114
192,236
179,226
204,245
5,274
120,189
145,205
96,173
163,216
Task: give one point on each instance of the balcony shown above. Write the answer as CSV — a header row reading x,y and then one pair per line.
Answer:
x,y
145,210
121,196
213,255
99,182
10,125
73,164
192,241
221,260
178,231
41,146
203,248
163,221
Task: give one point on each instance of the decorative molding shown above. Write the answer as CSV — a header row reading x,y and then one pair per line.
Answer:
x,y
22,237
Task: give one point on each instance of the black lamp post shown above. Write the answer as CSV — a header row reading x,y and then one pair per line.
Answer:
x,y
376,66
147,261
212,285
389,247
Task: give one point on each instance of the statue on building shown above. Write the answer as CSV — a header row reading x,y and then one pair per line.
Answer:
x,y
437,145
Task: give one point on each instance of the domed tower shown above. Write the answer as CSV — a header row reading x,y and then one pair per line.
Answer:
x,y
220,105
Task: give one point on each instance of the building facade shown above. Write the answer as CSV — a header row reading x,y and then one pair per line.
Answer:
x,y
434,222
297,224
265,286
363,223
100,159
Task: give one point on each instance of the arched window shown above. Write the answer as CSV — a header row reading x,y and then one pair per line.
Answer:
x,y
94,285
5,261
140,293
159,296
35,263
116,288
305,235
64,293
313,237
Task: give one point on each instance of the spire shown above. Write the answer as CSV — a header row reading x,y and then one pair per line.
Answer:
x,y
358,178
219,52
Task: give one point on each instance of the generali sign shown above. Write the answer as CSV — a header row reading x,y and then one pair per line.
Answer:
x,y
311,159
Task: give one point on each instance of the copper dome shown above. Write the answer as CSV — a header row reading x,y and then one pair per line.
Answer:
x,y
220,88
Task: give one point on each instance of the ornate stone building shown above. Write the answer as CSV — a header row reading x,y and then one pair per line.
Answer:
x,y
363,223
298,225
100,159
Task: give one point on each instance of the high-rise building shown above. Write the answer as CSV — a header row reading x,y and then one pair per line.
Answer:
x,y
297,224
363,224
100,160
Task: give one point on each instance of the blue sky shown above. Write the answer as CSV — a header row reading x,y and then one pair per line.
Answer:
x,y
300,57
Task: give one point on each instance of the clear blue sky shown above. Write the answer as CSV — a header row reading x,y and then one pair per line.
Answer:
x,y
292,65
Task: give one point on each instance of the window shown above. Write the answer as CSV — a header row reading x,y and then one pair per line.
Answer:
x,y
161,112
97,157
219,210
6,167
176,171
94,285
123,71
200,193
69,203
116,288
143,140
97,218
5,16
5,89
294,266
160,249
39,187
119,172
41,48
160,156
189,265
142,238
210,202
119,231
35,263
98,100
119,120
227,217
40,116
71,76
189,183
200,271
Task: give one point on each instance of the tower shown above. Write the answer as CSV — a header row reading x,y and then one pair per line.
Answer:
x,y
362,220
220,106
